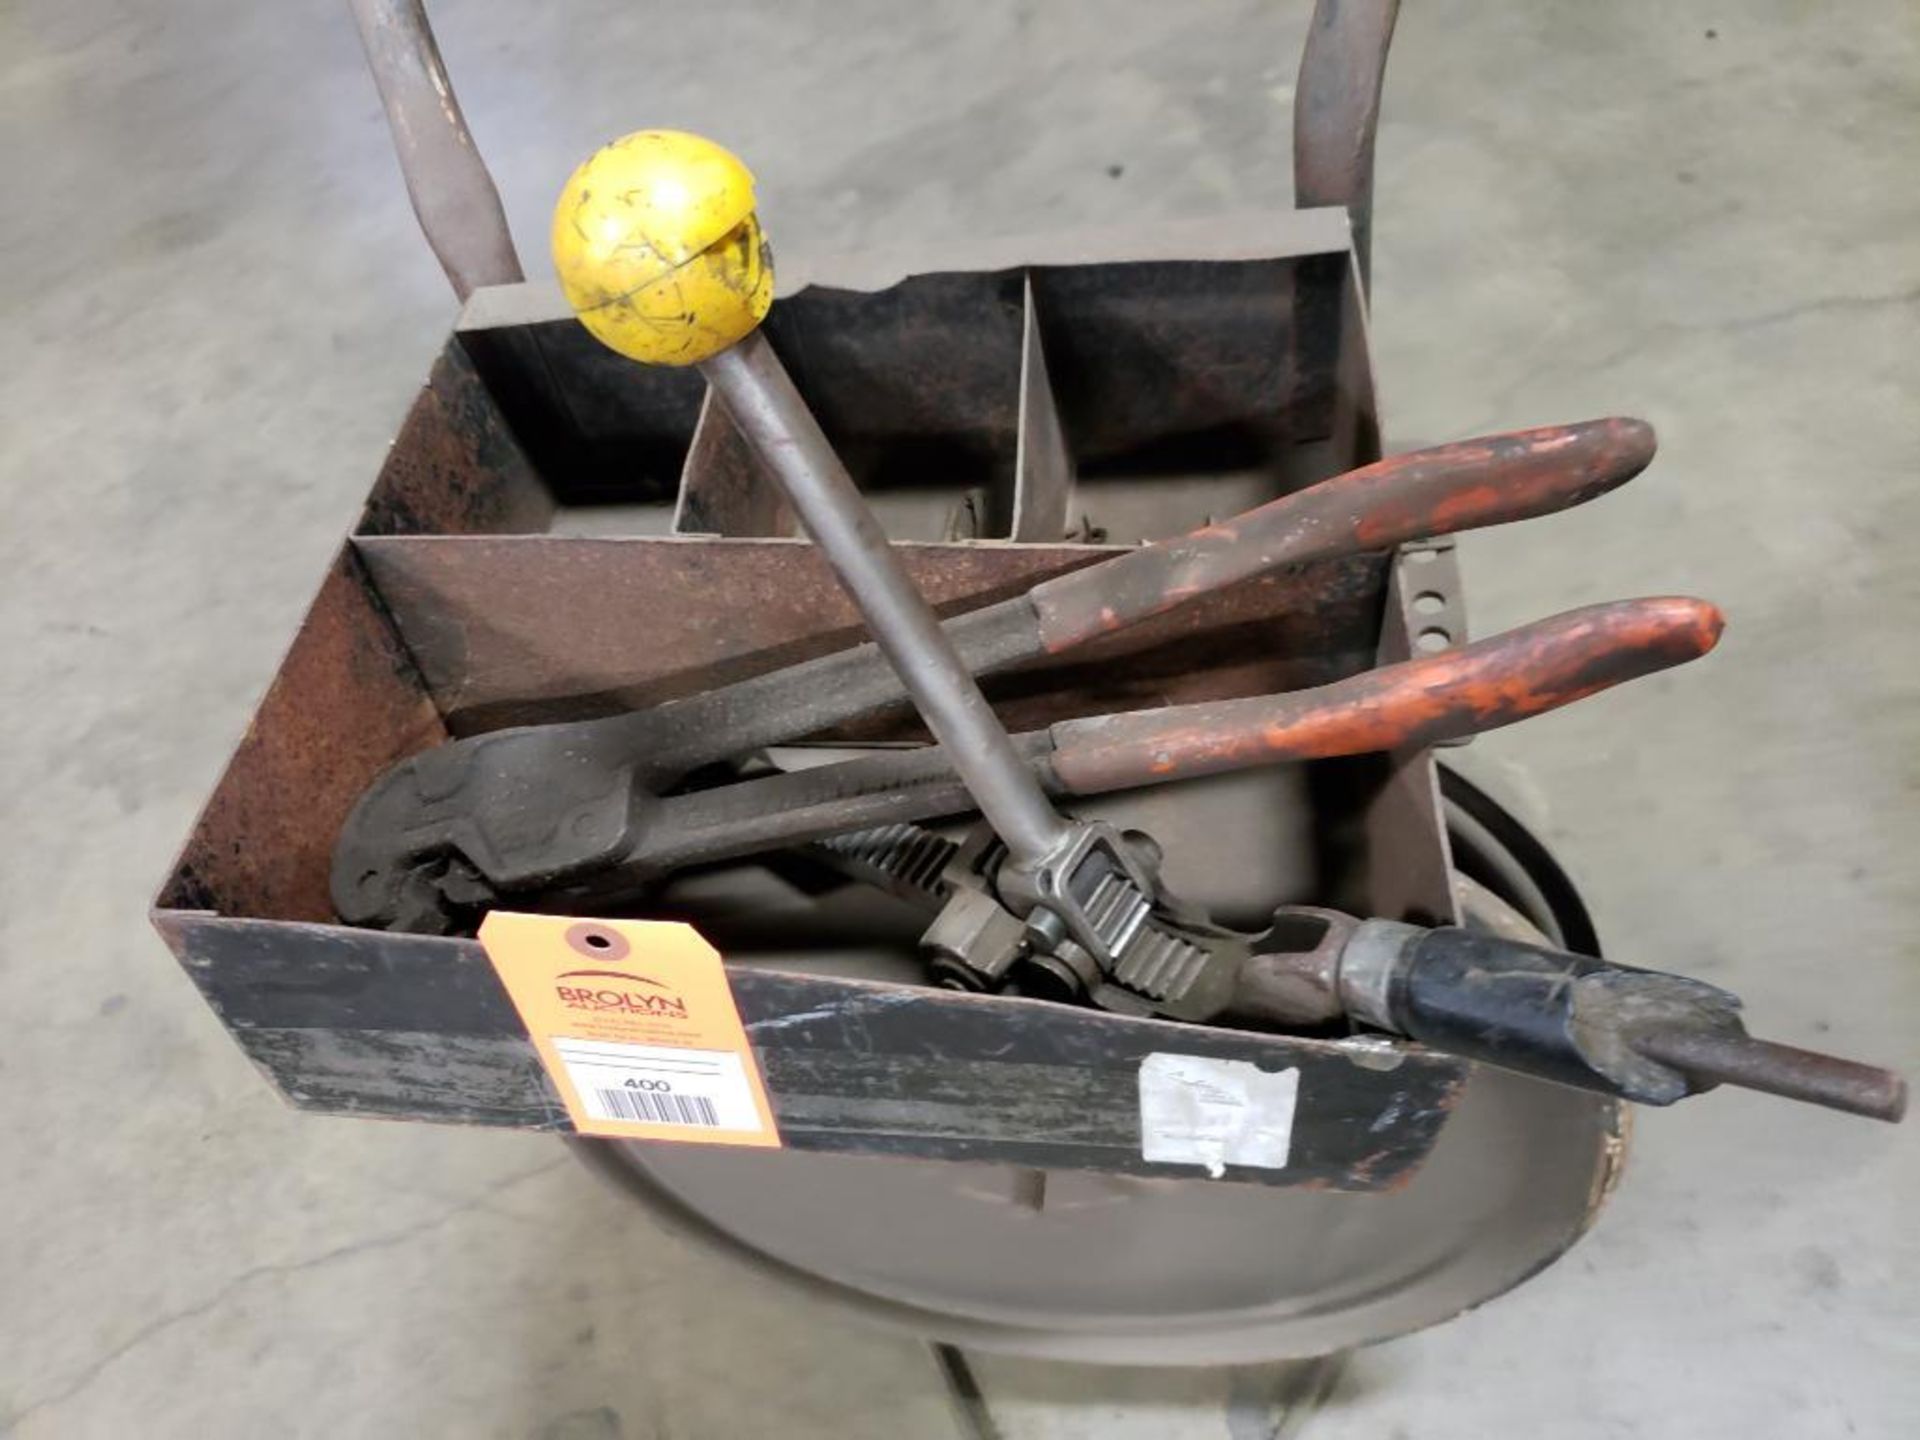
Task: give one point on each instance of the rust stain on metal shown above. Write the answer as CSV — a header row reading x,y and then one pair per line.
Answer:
x,y
346,704
587,634
1610,1166
1442,1106
455,468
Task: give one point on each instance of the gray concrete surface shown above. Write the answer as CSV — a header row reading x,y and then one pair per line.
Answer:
x,y
216,308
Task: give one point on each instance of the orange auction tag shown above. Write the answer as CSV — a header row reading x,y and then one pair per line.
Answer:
x,y
636,1026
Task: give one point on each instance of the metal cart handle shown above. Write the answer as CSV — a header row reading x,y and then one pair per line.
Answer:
x,y
453,194
1336,110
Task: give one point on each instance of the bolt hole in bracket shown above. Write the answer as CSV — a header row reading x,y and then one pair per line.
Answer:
x,y
1427,588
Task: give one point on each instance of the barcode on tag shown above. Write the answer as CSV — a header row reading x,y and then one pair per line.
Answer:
x,y
661,1109
659,1085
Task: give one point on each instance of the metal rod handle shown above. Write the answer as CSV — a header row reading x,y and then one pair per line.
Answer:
x,y
757,391
1784,1070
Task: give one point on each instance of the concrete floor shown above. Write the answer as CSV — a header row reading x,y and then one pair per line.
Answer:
x,y
217,307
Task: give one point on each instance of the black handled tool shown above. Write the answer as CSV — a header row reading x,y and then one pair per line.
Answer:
x,y
1642,1035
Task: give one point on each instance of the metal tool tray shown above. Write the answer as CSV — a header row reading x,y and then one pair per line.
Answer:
x,y
1136,394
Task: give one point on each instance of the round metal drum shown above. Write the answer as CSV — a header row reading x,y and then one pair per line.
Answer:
x,y
1120,1270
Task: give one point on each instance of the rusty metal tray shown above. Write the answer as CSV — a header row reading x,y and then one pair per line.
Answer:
x,y
468,597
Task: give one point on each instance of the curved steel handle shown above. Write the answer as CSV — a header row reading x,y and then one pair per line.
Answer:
x,y
454,197
1336,112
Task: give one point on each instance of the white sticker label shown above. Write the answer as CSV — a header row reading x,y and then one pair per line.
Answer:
x,y
1216,1113
658,1085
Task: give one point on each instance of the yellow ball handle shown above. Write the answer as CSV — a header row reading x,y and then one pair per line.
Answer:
x,y
659,250
661,257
